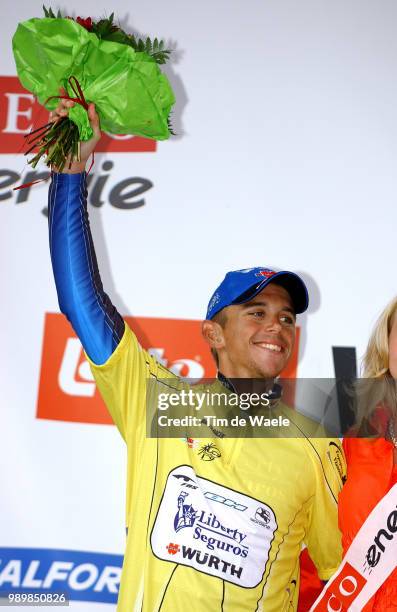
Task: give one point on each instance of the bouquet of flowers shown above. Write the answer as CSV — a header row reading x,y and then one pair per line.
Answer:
x,y
96,62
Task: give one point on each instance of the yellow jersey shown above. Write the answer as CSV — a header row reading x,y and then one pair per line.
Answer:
x,y
217,523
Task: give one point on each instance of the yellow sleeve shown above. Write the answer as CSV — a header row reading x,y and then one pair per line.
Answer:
x,y
122,382
323,537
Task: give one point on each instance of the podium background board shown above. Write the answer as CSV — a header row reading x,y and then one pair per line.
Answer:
x,y
285,156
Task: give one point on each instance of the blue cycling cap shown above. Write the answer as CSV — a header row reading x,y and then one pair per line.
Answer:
x,y
241,286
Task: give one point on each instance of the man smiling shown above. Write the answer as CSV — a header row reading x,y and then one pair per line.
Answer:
x,y
216,523
255,336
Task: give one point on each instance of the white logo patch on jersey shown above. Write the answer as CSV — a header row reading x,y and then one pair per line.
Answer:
x,y
213,529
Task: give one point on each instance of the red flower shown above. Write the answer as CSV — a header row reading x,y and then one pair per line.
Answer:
x,y
85,23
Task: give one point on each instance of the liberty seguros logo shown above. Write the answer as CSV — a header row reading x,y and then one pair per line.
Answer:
x,y
205,525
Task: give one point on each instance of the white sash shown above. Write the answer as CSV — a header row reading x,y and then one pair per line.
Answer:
x,y
370,559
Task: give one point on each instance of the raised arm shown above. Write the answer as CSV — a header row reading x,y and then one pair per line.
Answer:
x,y
80,292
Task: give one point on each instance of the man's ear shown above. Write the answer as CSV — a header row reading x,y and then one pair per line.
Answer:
x,y
213,334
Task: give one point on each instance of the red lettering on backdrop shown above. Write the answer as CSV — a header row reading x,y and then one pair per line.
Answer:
x,y
67,391
20,112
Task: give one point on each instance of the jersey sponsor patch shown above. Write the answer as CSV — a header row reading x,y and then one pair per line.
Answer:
x,y
337,460
213,529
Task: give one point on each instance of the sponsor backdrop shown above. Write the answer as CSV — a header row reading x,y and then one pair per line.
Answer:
x,y
285,156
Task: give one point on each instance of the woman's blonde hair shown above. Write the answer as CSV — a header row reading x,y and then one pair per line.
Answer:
x,y
376,358
377,387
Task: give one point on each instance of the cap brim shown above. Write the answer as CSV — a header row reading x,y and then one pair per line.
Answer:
x,y
290,281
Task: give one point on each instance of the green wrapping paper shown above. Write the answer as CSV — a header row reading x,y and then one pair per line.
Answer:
x,y
131,94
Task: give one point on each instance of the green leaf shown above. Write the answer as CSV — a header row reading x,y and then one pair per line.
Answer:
x,y
169,124
118,36
102,28
161,57
132,41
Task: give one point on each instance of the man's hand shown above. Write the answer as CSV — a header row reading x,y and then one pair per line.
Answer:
x,y
87,147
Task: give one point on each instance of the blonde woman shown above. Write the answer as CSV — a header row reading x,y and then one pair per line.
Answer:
x,y
372,462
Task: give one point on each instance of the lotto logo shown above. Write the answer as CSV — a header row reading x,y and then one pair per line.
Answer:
x,y
342,592
20,112
67,389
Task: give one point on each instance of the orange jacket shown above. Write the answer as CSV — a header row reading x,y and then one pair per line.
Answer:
x,y
370,474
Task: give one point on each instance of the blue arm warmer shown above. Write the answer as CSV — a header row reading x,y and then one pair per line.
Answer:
x,y
80,292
